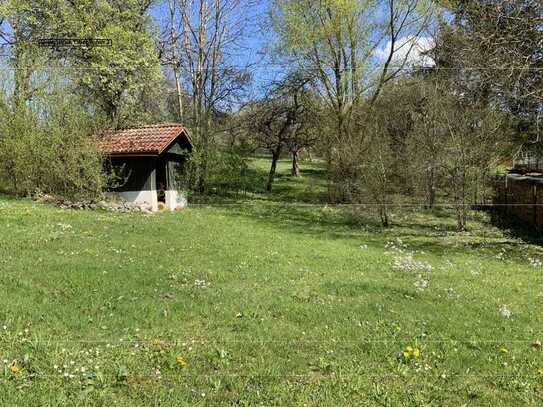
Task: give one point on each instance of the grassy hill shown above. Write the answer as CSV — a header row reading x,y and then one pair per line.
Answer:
x,y
263,302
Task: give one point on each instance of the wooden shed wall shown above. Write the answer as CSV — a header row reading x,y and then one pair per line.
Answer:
x,y
140,173
520,199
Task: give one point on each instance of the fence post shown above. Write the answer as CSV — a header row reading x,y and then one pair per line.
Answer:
x,y
534,191
505,208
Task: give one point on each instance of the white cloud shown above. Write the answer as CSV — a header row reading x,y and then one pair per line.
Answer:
x,y
409,49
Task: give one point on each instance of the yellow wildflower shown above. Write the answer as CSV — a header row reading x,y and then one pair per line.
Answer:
x,y
180,361
13,367
416,353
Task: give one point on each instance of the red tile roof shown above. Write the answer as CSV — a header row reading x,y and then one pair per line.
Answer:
x,y
142,140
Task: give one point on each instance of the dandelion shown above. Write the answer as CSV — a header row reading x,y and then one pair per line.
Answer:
x,y
409,353
181,362
13,367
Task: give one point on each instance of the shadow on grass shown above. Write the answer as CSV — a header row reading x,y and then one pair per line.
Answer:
x,y
433,233
515,227
310,187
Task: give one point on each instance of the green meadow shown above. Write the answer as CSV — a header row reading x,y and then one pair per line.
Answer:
x,y
256,301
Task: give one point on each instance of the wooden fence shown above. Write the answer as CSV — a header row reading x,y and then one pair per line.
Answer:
x,y
519,199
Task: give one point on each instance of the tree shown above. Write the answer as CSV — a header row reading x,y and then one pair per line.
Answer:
x,y
47,148
376,168
21,25
116,75
337,40
111,76
492,51
455,139
425,142
399,102
200,46
282,121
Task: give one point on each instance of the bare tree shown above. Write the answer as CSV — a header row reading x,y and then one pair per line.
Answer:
x,y
169,50
338,42
281,121
202,40
491,50
456,139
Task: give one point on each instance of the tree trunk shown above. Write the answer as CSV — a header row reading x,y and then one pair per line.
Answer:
x,y
21,76
271,175
383,213
179,94
431,189
175,61
461,212
295,164
461,220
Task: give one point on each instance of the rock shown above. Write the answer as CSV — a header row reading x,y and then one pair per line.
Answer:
x,y
113,205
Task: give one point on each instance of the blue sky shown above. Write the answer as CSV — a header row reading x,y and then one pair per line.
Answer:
x,y
252,46
258,35
264,71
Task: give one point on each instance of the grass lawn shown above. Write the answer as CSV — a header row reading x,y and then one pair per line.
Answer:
x,y
265,303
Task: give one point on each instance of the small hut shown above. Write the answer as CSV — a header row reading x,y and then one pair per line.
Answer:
x,y
148,160
529,158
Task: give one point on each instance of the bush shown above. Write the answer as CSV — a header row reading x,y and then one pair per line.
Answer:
x,y
225,173
51,154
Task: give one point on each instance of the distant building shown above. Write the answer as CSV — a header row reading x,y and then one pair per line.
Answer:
x,y
148,159
518,195
529,158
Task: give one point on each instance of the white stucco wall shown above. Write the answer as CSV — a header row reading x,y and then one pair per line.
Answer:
x,y
171,200
141,197
175,200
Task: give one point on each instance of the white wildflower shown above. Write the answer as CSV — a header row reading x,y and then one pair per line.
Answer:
x,y
408,263
505,311
201,284
420,283
535,262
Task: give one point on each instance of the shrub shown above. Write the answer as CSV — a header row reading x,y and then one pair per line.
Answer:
x,y
51,154
225,173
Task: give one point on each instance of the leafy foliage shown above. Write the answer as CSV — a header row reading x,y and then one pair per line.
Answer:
x,y
52,156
